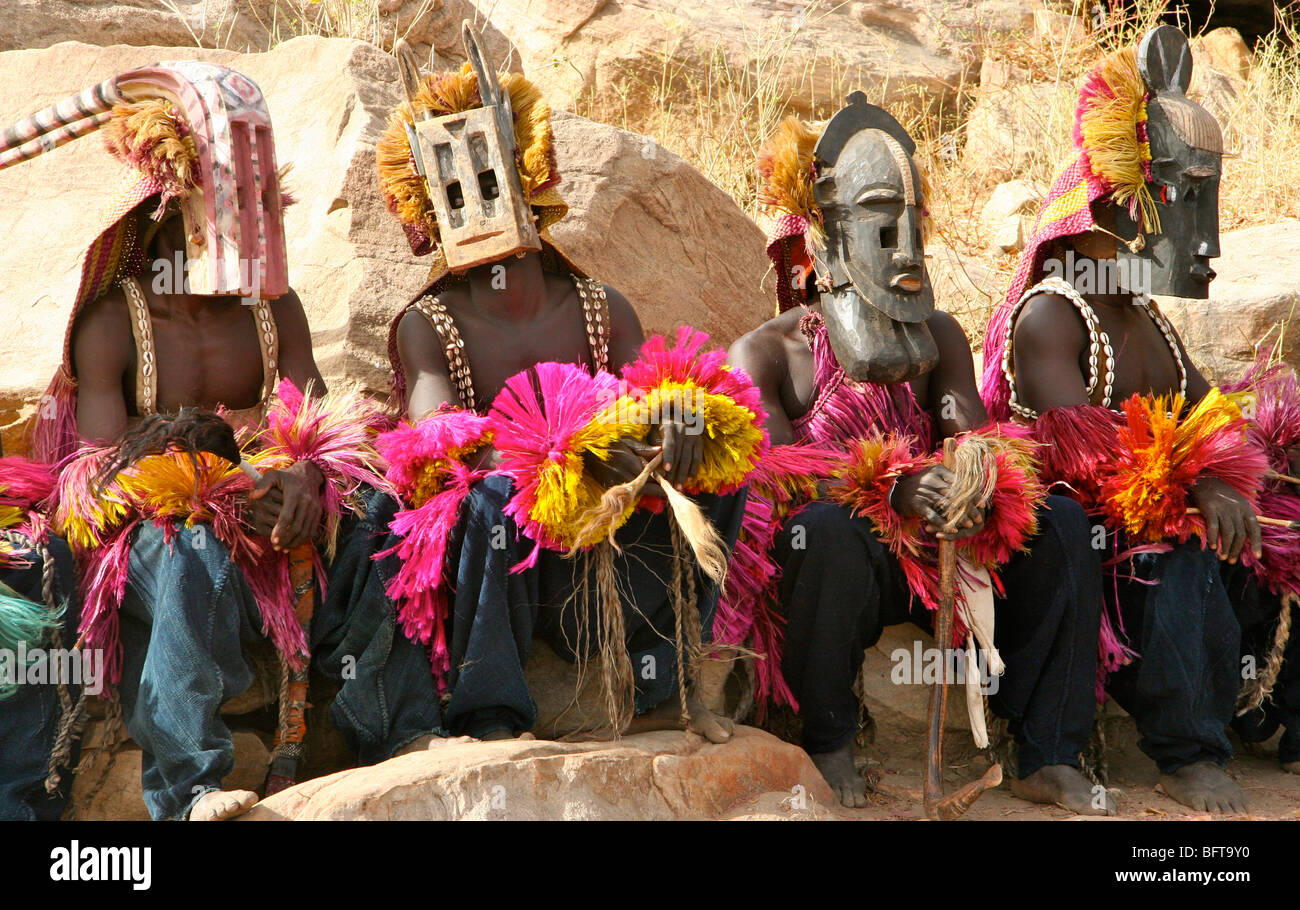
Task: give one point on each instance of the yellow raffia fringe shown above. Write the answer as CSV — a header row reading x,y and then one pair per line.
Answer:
x,y
1141,497
454,92
154,120
1109,127
732,436
786,164
171,486
566,492
10,516
434,473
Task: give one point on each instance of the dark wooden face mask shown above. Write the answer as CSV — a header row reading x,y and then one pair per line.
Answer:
x,y
876,294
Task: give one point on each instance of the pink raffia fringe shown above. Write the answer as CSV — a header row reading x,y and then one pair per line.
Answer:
x,y
1270,396
25,485
174,490
874,464
785,480
427,468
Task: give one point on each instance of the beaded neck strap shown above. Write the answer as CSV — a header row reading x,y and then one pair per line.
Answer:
x,y
146,370
595,315
1101,355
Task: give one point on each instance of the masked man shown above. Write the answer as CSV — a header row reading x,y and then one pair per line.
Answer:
x,y
1171,475
468,167
37,613
184,301
858,361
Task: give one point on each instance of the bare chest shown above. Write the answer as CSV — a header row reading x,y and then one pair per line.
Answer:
x,y
207,362
1144,361
496,351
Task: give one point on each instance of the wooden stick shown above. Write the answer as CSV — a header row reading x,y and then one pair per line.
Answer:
x,y
937,806
1264,520
1285,478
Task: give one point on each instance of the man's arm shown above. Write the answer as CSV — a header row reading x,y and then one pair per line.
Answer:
x,y
428,378
1047,341
952,396
297,362
761,354
625,333
101,355
286,504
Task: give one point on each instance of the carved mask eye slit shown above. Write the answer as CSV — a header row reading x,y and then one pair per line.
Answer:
x,y
455,195
889,237
487,184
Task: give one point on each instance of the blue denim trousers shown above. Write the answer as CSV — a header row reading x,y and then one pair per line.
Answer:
x,y
1182,690
29,718
387,696
186,610
391,699
496,612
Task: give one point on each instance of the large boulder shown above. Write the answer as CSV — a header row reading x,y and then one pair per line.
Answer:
x,y
641,219
650,776
1254,300
232,24
621,56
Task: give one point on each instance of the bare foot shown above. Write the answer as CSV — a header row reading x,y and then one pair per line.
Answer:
x,y
1064,786
713,727
431,741
1291,767
668,716
1204,787
219,805
837,767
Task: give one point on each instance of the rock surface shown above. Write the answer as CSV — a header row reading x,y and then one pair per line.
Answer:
x,y
615,52
641,219
651,776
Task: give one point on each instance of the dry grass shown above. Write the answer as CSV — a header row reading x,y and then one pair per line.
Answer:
x,y
363,20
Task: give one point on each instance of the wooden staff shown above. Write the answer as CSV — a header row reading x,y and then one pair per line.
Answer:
x,y
1264,520
937,806
291,731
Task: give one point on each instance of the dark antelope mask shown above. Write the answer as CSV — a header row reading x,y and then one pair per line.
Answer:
x,y
875,293
1186,150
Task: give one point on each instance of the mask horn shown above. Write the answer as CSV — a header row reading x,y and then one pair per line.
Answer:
x,y
59,123
408,68
489,89
1165,60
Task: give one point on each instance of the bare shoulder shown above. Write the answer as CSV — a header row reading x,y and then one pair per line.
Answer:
x,y
1048,320
764,353
103,328
947,331
621,311
765,341
417,342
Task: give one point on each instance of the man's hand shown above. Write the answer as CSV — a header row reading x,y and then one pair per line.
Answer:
x,y
683,445
627,458
925,495
1230,522
286,505
1293,460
